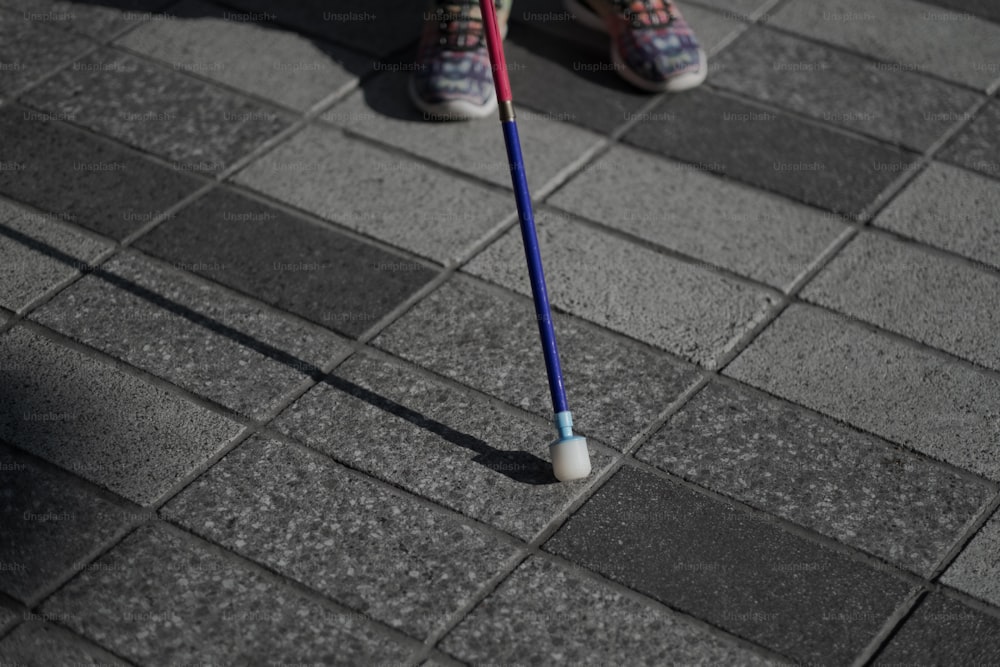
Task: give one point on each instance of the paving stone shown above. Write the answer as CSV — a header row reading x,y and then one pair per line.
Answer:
x,y
458,450
977,569
100,20
950,208
771,150
43,645
680,207
715,562
745,10
7,617
27,271
382,110
400,201
925,38
132,437
546,614
841,88
302,515
944,632
461,330
158,109
81,179
261,59
984,8
907,289
914,397
977,146
818,473
194,335
688,310
29,50
162,599
294,264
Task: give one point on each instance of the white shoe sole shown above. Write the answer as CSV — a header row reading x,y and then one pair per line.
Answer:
x,y
452,109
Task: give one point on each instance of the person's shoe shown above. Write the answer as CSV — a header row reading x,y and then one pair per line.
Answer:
x,y
652,45
452,79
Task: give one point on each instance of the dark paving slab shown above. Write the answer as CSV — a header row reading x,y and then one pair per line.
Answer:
x,y
37,644
771,150
749,577
296,265
545,614
81,179
818,473
162,599
299,513
977,569
159,110
978,145
614,388
942,631
101,19
984,8
29,50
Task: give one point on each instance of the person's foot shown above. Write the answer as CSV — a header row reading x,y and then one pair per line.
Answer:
x,y
652,45
452,79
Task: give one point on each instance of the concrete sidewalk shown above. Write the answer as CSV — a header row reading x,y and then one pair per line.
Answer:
x,y
271,386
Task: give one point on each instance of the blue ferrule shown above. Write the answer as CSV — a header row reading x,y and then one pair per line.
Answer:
x,y
564,422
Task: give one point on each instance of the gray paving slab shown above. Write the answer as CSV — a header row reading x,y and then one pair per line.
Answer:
x,y
688,310
912,291
26,271
7,617
954,45
81,179
30,50
978,144
382,110
158,109
38,644
300,514
545,613
675,205
902,107
745,10
197,336
984,8
163,599
441,443
101,20
977,569
943,631
818,473
130,436
894,389
261,59
711,560
489,341
950,208
398,200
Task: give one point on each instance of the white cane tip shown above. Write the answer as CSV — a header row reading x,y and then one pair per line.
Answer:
x,y
570,459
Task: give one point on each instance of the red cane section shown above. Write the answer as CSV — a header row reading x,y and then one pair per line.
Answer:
x,y
494,43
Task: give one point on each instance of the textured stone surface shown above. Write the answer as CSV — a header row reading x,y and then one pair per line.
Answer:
x,y
162,599
882,385
546,614
977,146
306,517
943,631
675,205
100,423
38,644
749,577
30,50
687,310
100,20
985,8
977,569
813,471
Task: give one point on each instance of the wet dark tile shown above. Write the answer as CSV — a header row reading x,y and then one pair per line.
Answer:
x,y
942,631
978,145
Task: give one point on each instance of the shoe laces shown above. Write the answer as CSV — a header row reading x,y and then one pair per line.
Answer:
x,y
643,14
458,29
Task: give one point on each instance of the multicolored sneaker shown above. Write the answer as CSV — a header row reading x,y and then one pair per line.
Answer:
x,y
652,45
452,79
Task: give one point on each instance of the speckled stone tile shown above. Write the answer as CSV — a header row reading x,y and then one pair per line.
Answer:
x,y
81,179
906,394
160,598
674,205
841,88
977,146
30,50
100,20
158,109
711,560
920,294
943,631
37,253
458,450
772,150
132,437
950,208
546,614
261,59
745,10
977,569
37,644
398,200
299,513
7,616
816,472
926,38
688,310
615,388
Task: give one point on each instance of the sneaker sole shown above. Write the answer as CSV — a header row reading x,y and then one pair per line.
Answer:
x,y
452,109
